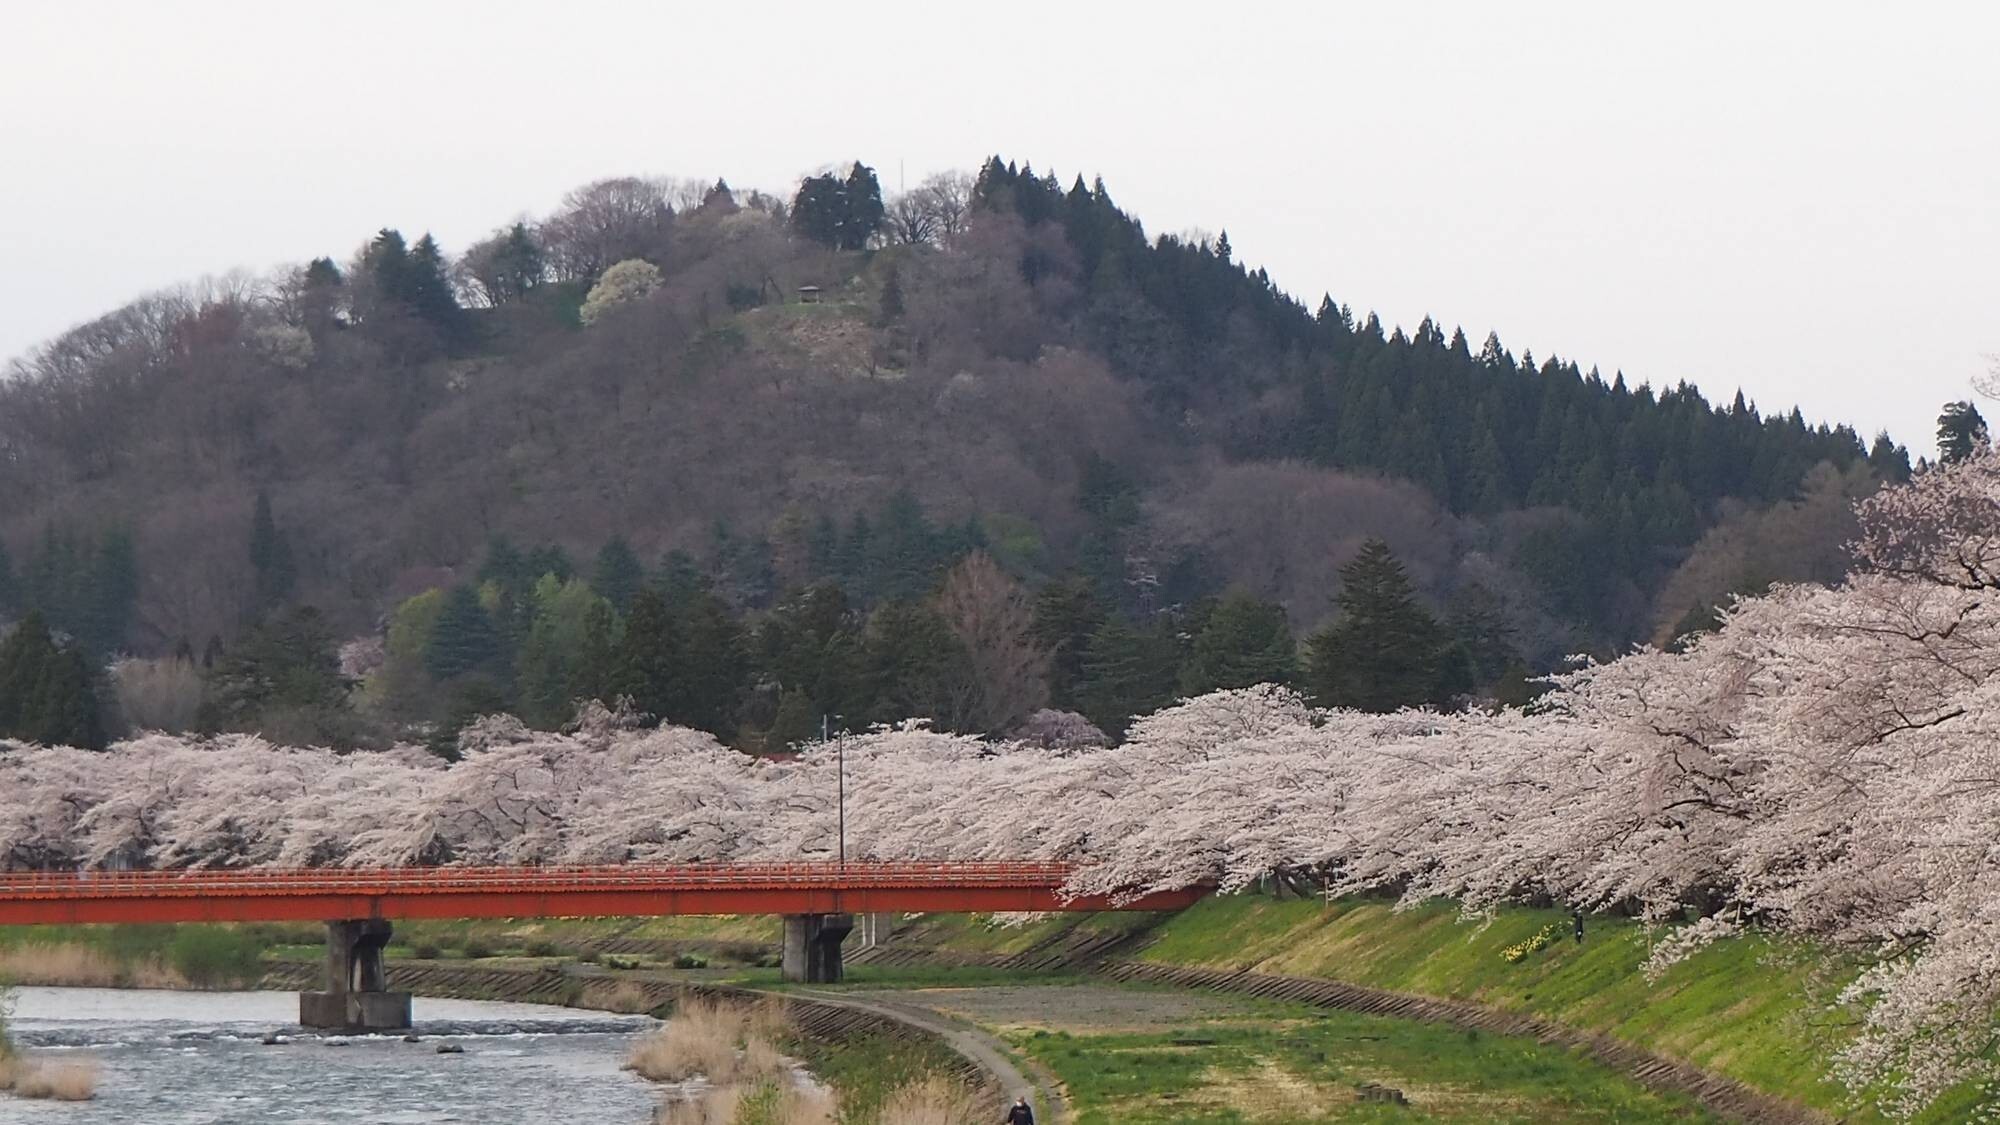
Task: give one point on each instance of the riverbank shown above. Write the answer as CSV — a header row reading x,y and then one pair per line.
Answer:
x,y
1745,1008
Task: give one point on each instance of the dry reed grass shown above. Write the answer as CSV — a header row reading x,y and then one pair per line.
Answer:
x,y
80,966
935,1100
767,1104
728,1044
60,1081
625,996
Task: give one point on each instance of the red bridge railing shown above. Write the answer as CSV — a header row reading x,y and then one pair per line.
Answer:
x,y
301,894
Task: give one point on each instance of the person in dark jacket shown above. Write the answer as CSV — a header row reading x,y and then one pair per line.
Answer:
x,y
1020,1114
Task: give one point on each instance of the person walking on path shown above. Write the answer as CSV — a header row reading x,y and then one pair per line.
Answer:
x,y
1020,1114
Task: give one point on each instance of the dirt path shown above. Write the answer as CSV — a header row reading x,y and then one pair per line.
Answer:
x,y
986,1050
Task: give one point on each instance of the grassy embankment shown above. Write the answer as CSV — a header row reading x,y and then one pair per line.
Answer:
x,y
1750,1008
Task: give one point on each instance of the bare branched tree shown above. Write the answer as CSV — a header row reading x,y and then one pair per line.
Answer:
x,y
608,221
992,617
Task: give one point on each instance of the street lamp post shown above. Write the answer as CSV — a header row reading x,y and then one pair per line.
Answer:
x,y
840,771
840,775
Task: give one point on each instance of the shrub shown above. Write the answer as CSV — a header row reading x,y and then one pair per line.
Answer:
x,y
476,950
542,947
690,961
426,951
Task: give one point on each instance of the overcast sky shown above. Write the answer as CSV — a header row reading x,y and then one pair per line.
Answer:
x,y
1798,200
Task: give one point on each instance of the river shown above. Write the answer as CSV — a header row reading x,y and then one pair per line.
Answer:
x,y
198,1058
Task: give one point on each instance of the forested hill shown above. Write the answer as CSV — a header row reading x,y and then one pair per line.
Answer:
x,y
676,385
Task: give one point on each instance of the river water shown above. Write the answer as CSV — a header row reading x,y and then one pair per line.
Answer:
x,y
197,1058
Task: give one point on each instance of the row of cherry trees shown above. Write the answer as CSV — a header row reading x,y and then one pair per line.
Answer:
x,y
1823,765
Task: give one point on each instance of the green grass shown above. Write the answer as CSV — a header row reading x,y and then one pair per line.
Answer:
x,y
1749,1008
1300,1064
865,1070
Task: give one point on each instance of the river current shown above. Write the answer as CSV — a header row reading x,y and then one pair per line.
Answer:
x,y
198,1058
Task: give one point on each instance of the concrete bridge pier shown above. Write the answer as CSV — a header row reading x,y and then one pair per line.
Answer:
x,y
357,997
812,947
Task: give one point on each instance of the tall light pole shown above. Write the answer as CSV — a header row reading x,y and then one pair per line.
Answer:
x,y
840,775
840,771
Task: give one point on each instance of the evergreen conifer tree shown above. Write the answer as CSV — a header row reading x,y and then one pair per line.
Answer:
x,y
1245,641
591,676
270,557
1385,651
618,574
464,641
1960,430
797,721
892,298
64,707
25,655
1126,673
286,669
1066,614
111,594
647,657
10,588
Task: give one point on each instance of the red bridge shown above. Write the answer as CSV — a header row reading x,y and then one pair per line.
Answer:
x,y
818,901
264,894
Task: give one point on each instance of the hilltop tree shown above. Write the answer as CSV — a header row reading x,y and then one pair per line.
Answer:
x,y
842,213
1385,651
505,267
864,210
1960,431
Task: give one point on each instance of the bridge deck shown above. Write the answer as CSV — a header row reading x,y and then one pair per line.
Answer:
x,y
316,894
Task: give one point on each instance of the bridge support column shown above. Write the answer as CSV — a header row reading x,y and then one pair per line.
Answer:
x,y
357,996
812,947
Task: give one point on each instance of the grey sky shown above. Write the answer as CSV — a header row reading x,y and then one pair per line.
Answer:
x,y
1798,199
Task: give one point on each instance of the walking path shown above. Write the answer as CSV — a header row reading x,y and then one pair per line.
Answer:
x,y
988,1052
